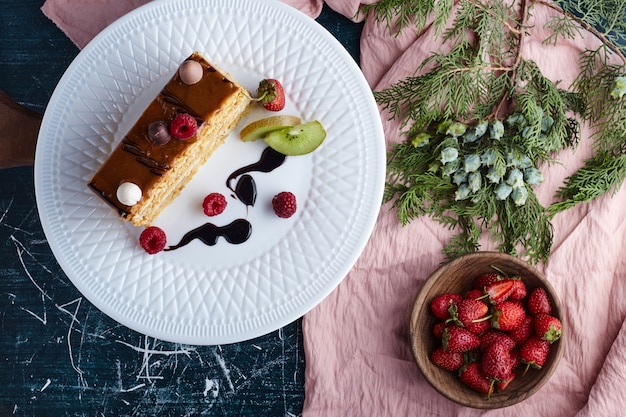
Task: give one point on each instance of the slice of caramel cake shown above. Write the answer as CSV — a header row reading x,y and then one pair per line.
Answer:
x,y
175,135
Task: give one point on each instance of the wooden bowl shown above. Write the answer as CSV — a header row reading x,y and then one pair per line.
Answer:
x,y
458,276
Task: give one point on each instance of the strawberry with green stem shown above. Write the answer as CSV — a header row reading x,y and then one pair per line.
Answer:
x,y
496,363
440,305
471,314
548,327
271,95
508,315
534,352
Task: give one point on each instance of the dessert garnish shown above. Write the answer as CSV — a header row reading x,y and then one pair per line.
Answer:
x,y
153,239
190,72
128,193
236,232
259,128
297,140
271,95
239,230
184,126
284,204
214,204
246,190
285,134
269,161
177,132
159,133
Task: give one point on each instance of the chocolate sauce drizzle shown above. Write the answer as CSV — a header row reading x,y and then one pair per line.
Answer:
x,y
156,167
270,160
246,190
240,230
236,232
169,98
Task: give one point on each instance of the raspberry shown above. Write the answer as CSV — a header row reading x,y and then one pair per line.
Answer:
x,y
284,204
214,204
184,126
152,240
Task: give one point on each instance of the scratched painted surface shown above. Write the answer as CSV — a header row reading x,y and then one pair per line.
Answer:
x,y
61,356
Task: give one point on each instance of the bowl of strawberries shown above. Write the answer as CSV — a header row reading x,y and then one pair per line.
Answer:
x,y
486,330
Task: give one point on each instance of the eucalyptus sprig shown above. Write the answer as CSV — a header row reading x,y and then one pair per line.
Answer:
x,y
483,100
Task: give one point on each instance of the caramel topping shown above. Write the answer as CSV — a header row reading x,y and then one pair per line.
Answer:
x,y
139,160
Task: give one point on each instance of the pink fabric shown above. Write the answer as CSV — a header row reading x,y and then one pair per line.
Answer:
x,y
81,20
359,362
358,359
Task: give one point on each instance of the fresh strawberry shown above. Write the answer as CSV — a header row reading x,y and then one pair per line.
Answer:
x,y
508,315
496,363
471,376
438,329
519,290
450,361
485,279
479,327
499,291
466,311
515,358
523,332
441,304
501,386
538,302
471,314
534,352
271,95
458,339
474,294
491,336
548,327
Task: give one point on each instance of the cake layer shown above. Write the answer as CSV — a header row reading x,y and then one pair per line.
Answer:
x,y
161,170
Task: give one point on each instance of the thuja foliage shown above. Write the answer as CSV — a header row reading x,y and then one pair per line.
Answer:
x,y
480,120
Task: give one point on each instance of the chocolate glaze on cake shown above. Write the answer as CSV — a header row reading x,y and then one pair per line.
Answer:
x,y
140,160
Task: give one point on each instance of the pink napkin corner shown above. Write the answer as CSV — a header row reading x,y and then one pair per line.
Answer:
x,y
82,20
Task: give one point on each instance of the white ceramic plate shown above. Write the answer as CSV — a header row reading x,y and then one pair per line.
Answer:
x,y
225,293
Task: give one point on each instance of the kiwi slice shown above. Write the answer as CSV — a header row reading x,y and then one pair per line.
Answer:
x,y
258,129
297,140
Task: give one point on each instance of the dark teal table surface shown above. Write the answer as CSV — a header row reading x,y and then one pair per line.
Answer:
x,y
59,355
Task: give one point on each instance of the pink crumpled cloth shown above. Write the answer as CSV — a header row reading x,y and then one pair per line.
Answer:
x,y
358,360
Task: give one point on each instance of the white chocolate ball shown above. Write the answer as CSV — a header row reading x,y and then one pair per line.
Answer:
x,y
190,72
128,193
